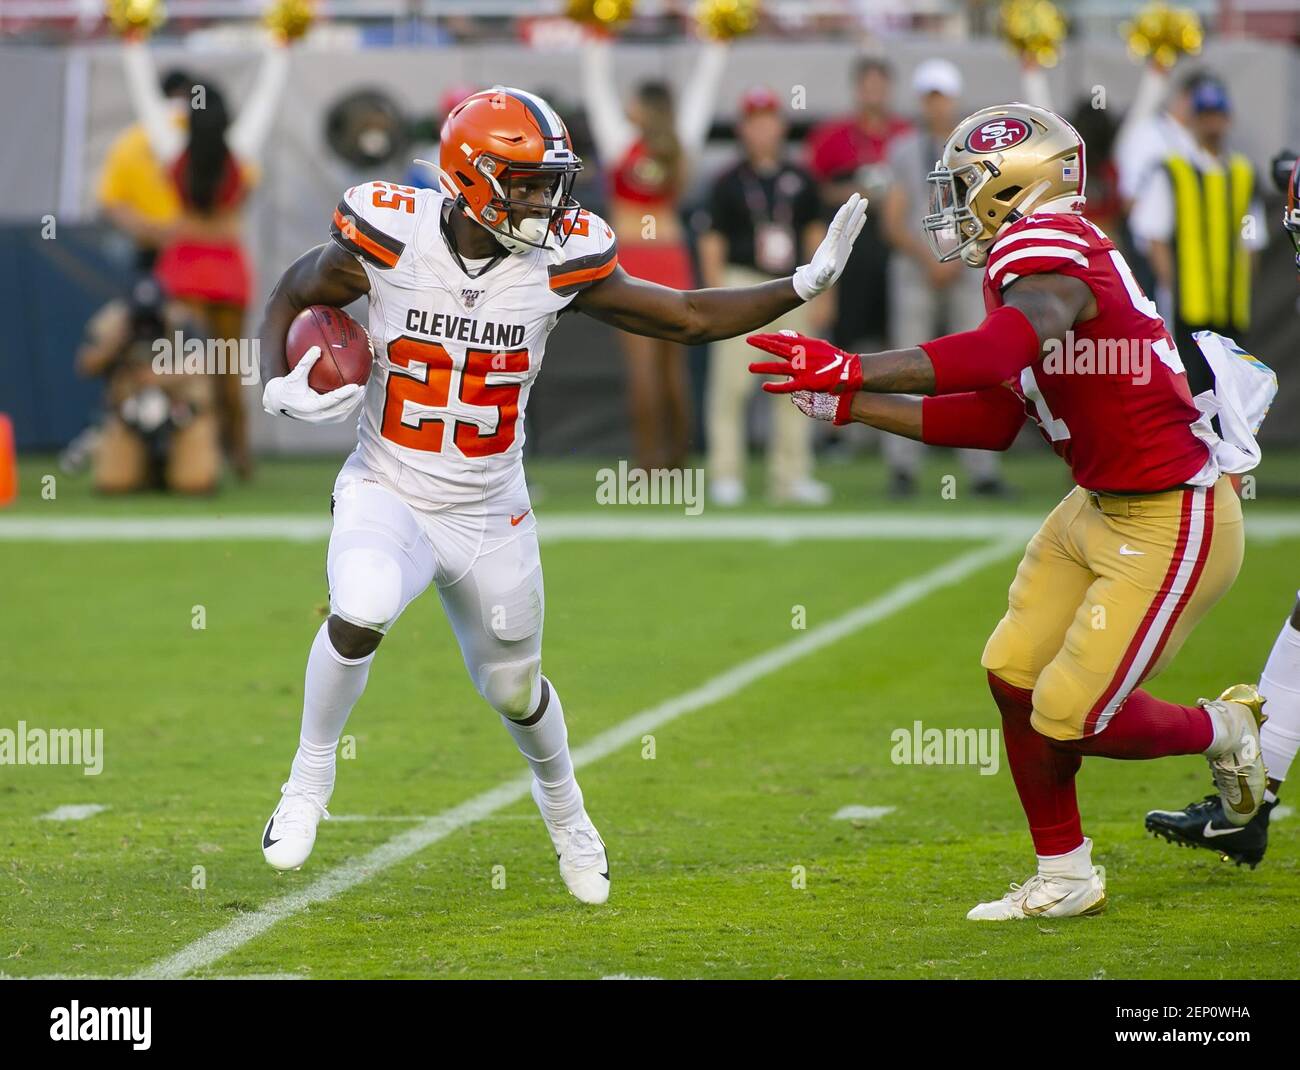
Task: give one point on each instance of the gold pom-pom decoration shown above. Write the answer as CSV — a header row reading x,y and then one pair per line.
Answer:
x,y
1162,33
131,17
1035,29
604,14
725,20
290,19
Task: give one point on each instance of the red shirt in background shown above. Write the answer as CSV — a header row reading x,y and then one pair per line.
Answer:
x,y
839,147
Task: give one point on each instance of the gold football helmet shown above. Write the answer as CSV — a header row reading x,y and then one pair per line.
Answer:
x,y
999,165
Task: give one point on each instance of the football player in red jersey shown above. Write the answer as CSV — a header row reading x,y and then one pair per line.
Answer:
x,y
1203,823
1121,571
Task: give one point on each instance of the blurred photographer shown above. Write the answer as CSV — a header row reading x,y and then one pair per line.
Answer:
x,y
160,426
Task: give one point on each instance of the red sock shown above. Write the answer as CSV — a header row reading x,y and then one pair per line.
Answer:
x,y
1044,775
1147,727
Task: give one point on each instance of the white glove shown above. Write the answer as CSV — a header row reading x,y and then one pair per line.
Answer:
x,y
828,261
818,406
290,395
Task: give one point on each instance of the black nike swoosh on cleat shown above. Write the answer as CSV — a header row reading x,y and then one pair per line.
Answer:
x,y
266,835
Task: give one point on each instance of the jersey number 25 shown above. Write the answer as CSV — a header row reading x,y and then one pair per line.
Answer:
x,y
433,391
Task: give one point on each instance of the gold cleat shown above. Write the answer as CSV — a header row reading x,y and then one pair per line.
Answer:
x,y
1236,763
1247,695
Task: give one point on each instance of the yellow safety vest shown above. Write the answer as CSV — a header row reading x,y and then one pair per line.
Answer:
x,y
1213,264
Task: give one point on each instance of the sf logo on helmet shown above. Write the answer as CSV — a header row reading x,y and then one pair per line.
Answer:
x,y
997,134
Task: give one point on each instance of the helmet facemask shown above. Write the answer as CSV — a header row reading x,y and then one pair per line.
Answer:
x,y
519,222
951,229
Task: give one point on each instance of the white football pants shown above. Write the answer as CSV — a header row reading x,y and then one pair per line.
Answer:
x,y
483,557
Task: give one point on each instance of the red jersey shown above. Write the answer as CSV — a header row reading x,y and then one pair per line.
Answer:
x,y
1112,399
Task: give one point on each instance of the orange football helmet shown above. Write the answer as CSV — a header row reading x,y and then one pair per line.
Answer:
x,y
493,140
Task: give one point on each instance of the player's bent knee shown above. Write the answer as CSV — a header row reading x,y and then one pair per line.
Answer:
x,y
1006,656
512,688
352,642
367,588
1061,705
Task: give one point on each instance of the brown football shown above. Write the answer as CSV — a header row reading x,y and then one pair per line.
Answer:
x,y
345,347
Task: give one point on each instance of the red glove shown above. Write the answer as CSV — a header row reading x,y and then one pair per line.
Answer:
x,y
810,363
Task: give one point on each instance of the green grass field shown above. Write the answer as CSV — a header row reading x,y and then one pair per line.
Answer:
x,y
726,857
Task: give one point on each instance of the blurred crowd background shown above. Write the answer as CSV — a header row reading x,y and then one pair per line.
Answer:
x,y
718,138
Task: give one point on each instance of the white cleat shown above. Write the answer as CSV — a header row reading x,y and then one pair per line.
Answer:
x,y
1237,763
727,492
583,862
810,492
1048,896
291,833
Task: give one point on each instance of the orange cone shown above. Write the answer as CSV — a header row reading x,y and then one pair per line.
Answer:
x,y
8,462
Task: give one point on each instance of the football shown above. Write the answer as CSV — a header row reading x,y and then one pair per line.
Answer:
x,y
345,347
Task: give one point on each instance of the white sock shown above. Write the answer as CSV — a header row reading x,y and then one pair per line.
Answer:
x,y
1076,863
333,685
546,746
1224,739
1279,739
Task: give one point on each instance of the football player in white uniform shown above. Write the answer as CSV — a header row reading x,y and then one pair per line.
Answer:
x,y
464,285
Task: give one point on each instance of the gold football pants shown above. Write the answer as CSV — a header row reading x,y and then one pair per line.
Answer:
x,y
1108,590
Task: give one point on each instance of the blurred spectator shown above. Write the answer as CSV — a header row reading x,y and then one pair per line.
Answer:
x,y
926,298
764,220
647,154
420,174
135,192
850,155
1201,219
1147,136
159,428
213,167
1104,207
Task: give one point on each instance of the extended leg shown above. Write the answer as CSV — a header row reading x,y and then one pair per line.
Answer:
x,y
378,562
496,609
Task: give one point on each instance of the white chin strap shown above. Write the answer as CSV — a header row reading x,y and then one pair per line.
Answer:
x,y
532,230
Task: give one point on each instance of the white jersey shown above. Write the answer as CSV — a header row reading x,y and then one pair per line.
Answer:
x,y
455,356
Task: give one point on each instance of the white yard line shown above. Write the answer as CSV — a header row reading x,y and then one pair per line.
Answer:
x,y
584,527
247,927
861,813
74,812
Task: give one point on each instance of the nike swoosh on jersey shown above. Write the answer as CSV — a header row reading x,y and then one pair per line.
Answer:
x,y
514,520
1127,551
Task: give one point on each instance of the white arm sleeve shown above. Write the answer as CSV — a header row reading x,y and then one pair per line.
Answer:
x,y
249,131
611,130
1151,90
1152,218
696,107
149,103
1034,84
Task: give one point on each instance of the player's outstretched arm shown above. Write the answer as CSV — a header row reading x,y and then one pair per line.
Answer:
x,y
979,419
1035,310
693,317
325,275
